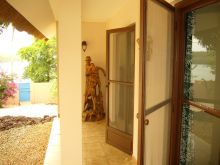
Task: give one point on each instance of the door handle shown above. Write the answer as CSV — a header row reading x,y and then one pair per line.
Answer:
x,y
146,122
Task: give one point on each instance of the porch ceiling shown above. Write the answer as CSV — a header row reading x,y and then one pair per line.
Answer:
x,y
100,10
38,13
9,14
43,13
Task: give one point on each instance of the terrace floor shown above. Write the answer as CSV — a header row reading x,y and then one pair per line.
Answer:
x,y
95,150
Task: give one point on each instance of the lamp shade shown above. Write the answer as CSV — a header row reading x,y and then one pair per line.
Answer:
x,y
84,45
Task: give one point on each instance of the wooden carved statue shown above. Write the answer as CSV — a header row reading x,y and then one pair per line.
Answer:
x,y
93,105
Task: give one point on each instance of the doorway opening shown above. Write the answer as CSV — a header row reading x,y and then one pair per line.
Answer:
x,y
112,32
120,91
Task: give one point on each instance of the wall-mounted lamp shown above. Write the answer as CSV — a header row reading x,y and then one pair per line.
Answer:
x,y
84,45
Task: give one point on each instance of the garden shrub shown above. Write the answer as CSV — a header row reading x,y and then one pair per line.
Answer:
x,y
8,87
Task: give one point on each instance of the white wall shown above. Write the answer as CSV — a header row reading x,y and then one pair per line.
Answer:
x,y
94,33
128,15
70,82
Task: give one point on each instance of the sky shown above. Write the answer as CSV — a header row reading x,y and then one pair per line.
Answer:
x,y
196,46
10,43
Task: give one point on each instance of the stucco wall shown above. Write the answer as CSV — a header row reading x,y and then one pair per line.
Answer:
x,y
94,33
128,15
41,93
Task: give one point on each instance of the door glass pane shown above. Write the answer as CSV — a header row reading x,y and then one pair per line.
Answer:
x,y
157,137
159,66
121,105
203,140
200,144
122,56
204,54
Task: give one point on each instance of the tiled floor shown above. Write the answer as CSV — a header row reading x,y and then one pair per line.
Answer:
x,y
97,152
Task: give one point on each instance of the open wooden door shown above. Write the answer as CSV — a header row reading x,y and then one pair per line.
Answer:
x,y
196,117
120,88
180,110
157,50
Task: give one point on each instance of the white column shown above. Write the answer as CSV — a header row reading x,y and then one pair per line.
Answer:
x,y
69,69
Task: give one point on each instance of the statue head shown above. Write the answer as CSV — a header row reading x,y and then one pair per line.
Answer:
x,y
88,59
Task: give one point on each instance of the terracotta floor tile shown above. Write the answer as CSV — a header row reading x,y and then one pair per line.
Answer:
x,y
96,151
97,161
93,150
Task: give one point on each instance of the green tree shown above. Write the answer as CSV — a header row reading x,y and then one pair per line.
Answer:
x,y
41,56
